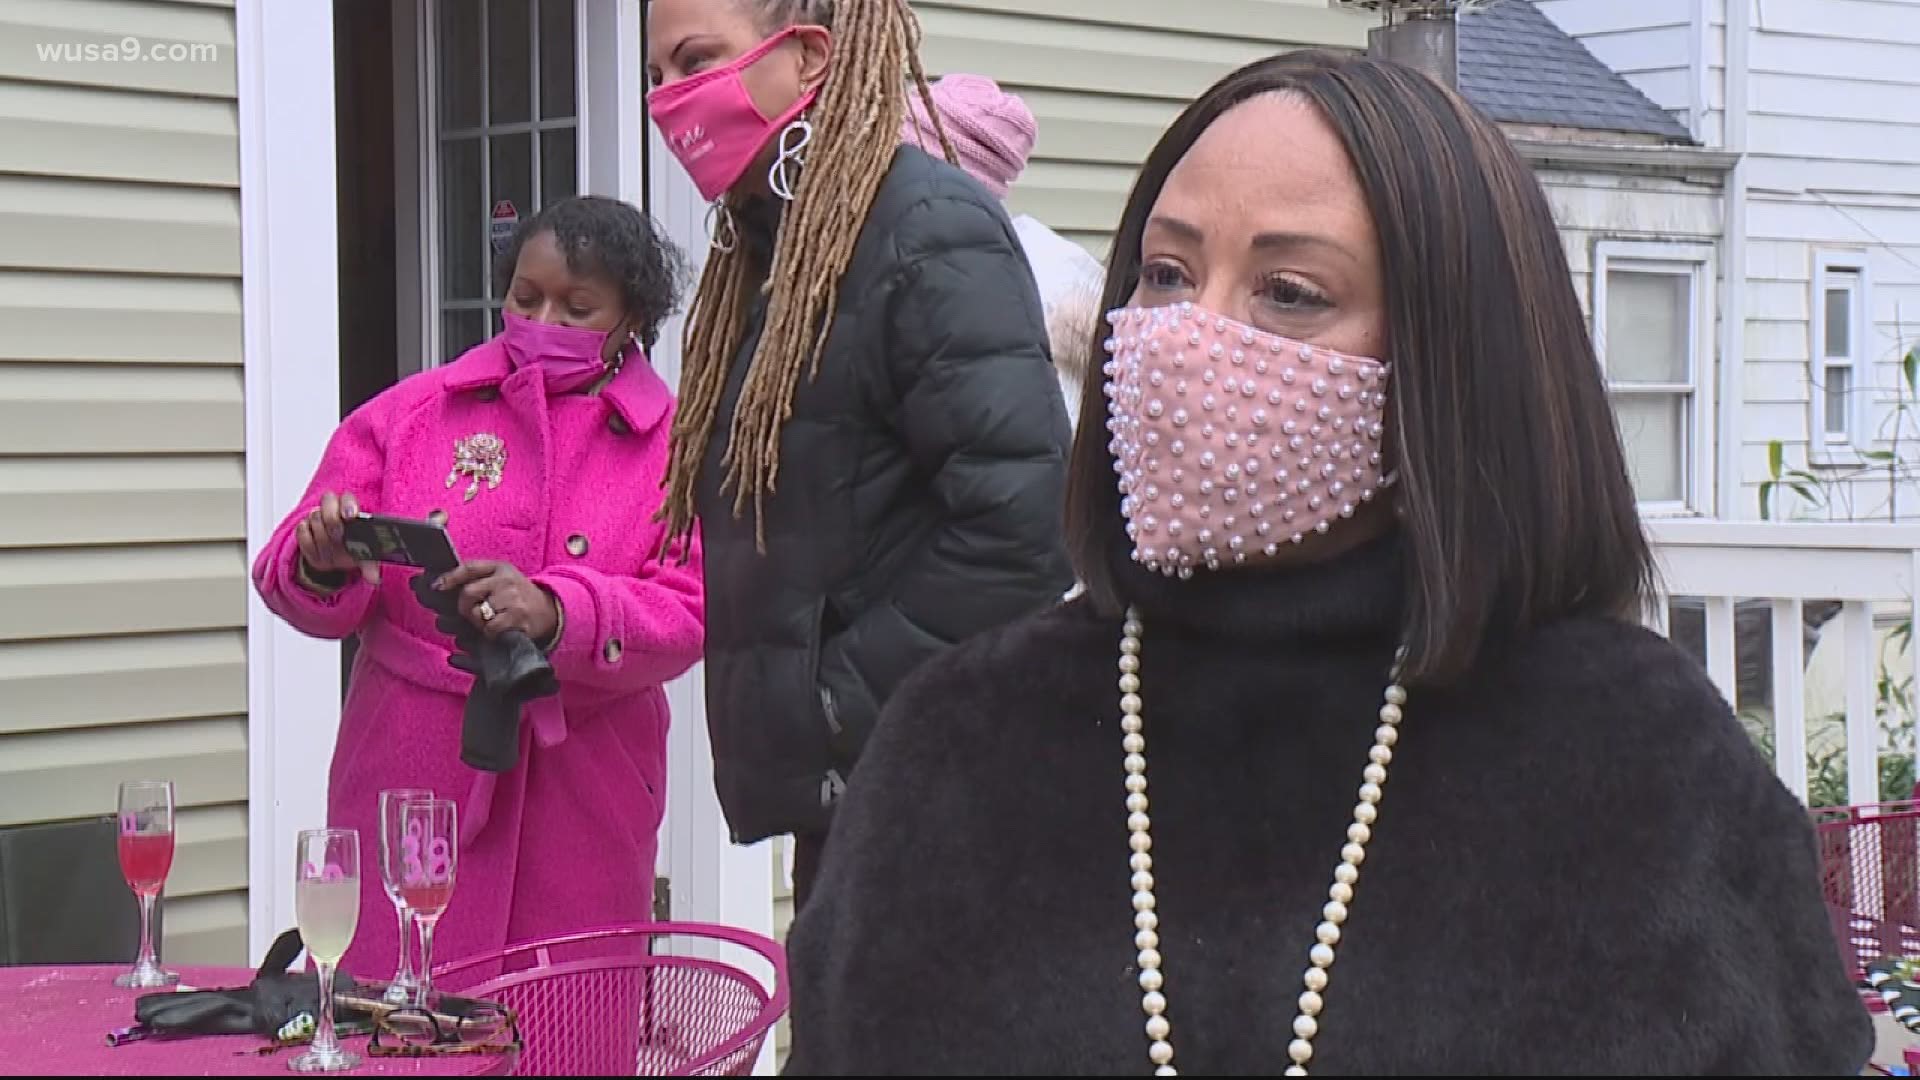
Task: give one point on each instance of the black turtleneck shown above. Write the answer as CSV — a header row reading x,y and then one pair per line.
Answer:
x,y
1580,866
1355,599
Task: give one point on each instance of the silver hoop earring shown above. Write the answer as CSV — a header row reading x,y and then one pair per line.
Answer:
x,y
792,155
722,232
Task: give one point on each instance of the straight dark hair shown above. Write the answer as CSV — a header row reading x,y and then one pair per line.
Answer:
x,y
1513,495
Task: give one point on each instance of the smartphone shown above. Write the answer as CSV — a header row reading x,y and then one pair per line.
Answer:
x,y
400,541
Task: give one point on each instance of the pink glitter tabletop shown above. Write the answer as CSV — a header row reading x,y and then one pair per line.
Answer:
x,y
56,1022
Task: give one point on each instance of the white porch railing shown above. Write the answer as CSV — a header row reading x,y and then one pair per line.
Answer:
x,y
1864,567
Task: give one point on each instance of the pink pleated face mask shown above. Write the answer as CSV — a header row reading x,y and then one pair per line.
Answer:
x,y
569,358
1231,441
711,124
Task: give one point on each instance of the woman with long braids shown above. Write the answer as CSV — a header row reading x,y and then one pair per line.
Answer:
x,y
869,435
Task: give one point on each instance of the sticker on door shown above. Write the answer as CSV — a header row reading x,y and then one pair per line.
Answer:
x,y
505,220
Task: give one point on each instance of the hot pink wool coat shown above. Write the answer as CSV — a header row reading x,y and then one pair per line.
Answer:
x,y
567,839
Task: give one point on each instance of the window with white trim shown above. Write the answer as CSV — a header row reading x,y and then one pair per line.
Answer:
x,y
1839,366
1653,331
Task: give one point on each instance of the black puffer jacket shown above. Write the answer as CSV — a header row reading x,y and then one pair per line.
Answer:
x,y
919,499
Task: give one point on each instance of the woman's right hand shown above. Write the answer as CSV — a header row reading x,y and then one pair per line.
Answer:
x,y
322,537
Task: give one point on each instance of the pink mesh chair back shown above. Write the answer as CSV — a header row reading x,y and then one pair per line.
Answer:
x,y
647,999
1870,875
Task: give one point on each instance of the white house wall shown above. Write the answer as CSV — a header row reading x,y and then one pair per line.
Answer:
x,y
1672,50
1832,165
1786,229
1591,207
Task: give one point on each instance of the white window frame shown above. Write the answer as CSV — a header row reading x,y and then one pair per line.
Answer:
x,y
1696,263
1825,447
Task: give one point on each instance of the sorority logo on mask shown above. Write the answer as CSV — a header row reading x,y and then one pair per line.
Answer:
x,y
692,144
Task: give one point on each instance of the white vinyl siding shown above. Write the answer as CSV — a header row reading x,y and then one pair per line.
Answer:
x,y
123,578
1662,46
1832,165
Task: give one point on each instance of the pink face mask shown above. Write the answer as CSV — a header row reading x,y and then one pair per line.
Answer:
x,y
569,357
711,124
1230,441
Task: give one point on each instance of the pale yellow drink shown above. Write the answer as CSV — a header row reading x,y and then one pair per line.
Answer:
x,y
328,912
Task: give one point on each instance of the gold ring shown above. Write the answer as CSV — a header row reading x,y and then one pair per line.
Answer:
x,y
487,613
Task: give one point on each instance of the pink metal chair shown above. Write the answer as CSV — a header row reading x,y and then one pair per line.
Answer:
x,y
1870,874
613,1001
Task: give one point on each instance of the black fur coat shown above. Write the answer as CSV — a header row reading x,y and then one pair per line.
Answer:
x,y
1581,864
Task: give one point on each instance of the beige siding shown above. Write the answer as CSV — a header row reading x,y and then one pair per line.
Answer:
x,y
1105,79
122,554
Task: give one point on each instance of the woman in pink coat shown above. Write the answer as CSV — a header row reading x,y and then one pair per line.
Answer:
x,y
542,451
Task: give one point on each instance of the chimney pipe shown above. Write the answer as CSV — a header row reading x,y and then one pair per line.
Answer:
x,y
1424,41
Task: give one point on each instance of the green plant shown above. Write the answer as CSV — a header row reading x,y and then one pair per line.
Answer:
x,y
1827,768
1831,489
1810,487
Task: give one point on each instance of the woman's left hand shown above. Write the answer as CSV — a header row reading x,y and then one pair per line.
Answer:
x,y
497,597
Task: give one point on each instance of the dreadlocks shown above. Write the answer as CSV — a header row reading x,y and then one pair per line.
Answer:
x,y
856,128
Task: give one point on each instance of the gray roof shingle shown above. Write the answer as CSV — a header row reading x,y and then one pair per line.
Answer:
x,y
1518,67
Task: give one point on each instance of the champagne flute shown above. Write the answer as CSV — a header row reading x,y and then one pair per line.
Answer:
x,y
430,840
146,855
326,903
405,985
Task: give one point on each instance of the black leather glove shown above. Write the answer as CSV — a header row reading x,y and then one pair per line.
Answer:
x,y
508,671
261,1008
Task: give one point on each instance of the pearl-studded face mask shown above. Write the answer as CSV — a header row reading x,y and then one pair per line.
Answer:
x,y
1230,441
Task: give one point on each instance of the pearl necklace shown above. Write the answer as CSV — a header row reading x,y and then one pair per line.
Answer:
x,y
1146,921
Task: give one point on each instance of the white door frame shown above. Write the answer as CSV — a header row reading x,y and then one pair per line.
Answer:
x,y
415,201
290,293
611,96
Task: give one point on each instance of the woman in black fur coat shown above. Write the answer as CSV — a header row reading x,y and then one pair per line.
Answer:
x,y
1353,759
